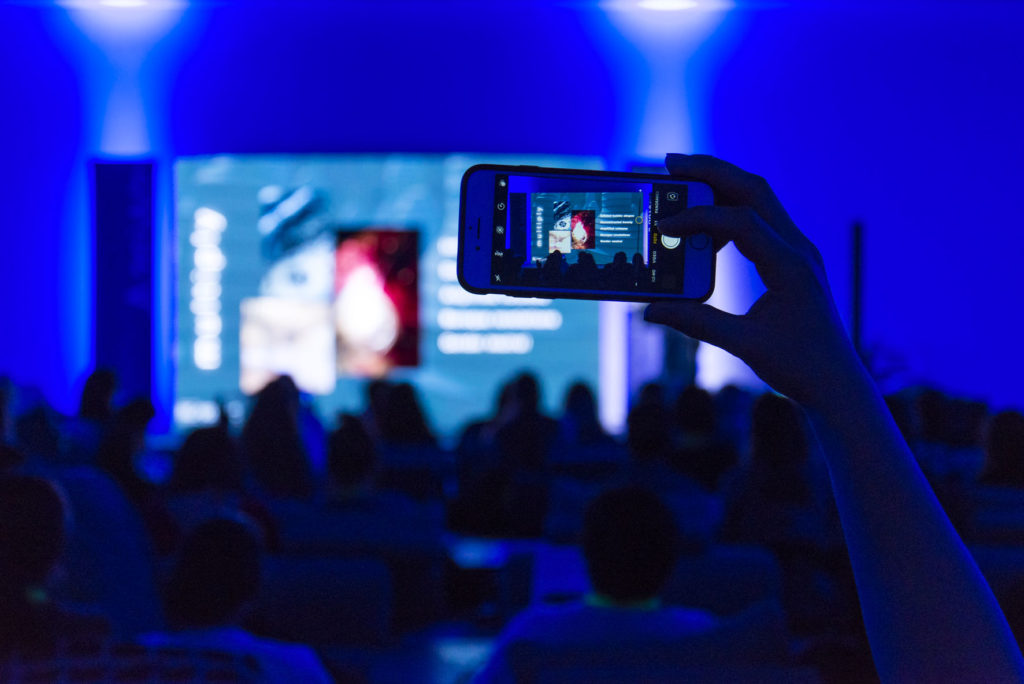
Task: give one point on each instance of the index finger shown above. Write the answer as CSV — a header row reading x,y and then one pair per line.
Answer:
x,y
774,258
735,187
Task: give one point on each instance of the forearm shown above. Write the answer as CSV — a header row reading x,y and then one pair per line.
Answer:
x,y
929,613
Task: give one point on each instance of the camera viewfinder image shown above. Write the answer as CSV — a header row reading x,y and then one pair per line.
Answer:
x,y
584,235
559,241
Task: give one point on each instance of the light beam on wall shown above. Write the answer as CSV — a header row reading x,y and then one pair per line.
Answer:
x,y
669,34
668,5
126,100
124,52
125,20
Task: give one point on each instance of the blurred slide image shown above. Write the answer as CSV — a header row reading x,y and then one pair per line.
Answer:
x,y
339,268
376,306
286,337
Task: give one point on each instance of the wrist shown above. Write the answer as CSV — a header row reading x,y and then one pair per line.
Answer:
x,y
844,388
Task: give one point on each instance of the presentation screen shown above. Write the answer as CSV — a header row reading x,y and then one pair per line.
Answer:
x,y
340,269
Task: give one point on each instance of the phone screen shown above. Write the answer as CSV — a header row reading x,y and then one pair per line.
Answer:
x,y
586,234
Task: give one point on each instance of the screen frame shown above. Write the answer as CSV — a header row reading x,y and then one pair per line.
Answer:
x,y
476,211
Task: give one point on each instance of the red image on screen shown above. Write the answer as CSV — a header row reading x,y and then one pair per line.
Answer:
x,y
581,227
376,301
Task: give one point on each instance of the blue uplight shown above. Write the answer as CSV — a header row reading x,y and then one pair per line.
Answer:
x,y
124,20
668,5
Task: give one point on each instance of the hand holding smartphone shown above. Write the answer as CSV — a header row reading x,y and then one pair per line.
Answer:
x,y
561,233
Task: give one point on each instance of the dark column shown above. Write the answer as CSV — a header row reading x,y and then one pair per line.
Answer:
x,y
123,219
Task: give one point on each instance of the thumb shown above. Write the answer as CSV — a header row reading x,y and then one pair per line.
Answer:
x,y
700,321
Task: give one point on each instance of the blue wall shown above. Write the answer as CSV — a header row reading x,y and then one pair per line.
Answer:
x,y
910,119
905,118
44,271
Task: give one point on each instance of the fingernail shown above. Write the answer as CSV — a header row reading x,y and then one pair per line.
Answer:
x,y
673,224
651,313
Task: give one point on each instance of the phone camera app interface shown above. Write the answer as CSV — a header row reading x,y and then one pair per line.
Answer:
x,y
586,234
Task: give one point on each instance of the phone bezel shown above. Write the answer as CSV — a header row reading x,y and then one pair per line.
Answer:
x,y
470,243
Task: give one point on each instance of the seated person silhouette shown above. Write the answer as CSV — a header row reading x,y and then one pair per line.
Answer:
x,y
579,426
83,433
32,530
216,579
403,421
357,517
10,458
273,445
618,273
702,454
382,516
630,547
208,482
1004,450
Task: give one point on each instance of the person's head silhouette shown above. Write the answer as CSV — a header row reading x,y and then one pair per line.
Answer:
x,y
526,393
403,420
32,518
630,544
208,460
649,431
778,437
580,402
695,411
98,395
33,525
217,575
1004,449
351,458
272,442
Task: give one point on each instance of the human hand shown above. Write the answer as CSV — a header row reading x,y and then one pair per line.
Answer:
x,y
792,336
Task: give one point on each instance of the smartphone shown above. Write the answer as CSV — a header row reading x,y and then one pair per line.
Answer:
x,y
530,231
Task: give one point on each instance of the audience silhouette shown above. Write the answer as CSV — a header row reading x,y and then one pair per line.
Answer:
x,y
579,425
97,400
216,578
272,442
208,481
814,487
630,545
1004,450
32,534
351,460
402,421
701,453
96,411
